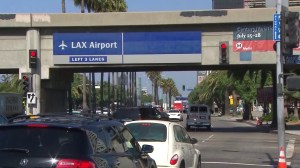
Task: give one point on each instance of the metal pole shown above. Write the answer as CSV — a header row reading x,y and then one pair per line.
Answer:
x,y
280,100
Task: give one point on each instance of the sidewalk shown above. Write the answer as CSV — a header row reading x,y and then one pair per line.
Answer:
x,y
291,127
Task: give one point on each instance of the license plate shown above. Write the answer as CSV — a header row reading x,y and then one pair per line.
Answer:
x,y
202,117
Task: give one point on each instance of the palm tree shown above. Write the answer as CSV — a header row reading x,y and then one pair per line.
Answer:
x,y
102,5
167,85
154,77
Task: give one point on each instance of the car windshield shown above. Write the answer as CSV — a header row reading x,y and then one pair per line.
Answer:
x,y
148,131
40,142
173,111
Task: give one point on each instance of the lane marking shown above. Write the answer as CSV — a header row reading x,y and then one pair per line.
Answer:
x,y
290,148
208,138
242,164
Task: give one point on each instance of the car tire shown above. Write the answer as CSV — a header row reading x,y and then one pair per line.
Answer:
x,y
188,127
182,165
209,127
199,162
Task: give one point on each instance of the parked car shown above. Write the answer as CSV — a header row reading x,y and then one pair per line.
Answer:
x,y
106,111
175,115
173,147
70,141
125,114
199,115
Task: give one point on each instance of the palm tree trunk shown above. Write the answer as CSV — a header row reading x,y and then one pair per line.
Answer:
x,y
63,6
113,91
102,92
84,102
170,99
109,95
296,115
82,6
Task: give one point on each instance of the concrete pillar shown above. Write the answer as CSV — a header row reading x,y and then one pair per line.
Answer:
x,y
54,91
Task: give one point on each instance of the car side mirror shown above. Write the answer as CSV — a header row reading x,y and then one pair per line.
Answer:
x,y
194,140
147,149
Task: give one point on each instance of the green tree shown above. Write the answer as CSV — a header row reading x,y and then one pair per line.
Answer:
x,y
11,83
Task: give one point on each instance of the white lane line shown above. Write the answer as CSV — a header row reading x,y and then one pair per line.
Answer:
x,y
242,164
290,148
208,138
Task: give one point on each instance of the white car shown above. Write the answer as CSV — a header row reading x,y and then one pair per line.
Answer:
x,y
175,115
173,147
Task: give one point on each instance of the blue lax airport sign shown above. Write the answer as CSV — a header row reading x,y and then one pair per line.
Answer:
x,y
87,44
127,47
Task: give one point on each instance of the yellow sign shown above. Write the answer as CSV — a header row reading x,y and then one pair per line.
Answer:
x,y
231,101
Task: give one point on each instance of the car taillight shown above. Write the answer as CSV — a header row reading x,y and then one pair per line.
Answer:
x,y
174,159
37,125
73,163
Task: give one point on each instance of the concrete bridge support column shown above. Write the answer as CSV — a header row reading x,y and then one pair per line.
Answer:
x,y
54,92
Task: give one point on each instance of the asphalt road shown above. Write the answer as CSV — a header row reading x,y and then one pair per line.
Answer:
x,y
233,144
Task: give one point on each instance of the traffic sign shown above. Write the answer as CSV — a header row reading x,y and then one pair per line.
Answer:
x,y
31,98
276,27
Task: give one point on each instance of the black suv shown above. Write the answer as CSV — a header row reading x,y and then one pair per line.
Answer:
x,y
124,114
70,141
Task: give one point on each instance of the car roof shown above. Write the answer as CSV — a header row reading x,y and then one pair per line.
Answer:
x,y
198,105
63,120
153,121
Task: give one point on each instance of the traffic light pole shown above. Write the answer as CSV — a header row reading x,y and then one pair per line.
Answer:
x,y
279,81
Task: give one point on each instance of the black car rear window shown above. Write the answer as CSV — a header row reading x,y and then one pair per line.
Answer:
x,y
196,109
127,113
43,142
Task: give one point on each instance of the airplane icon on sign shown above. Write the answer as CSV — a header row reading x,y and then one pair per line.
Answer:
x,y
62,45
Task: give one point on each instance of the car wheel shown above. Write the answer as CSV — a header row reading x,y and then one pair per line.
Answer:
x,y
199,162
188,127
209,127
182,165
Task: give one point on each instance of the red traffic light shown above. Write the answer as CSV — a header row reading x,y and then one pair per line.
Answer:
x,y
223,46
32,53
25,78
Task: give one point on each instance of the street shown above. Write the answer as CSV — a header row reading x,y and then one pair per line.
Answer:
x,y
234,144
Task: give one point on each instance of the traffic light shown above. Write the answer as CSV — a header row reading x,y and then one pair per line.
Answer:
x,y
26,84
223,49
32,58
289,31
183,87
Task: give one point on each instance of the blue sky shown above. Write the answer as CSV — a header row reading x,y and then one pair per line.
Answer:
x,y
187,78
